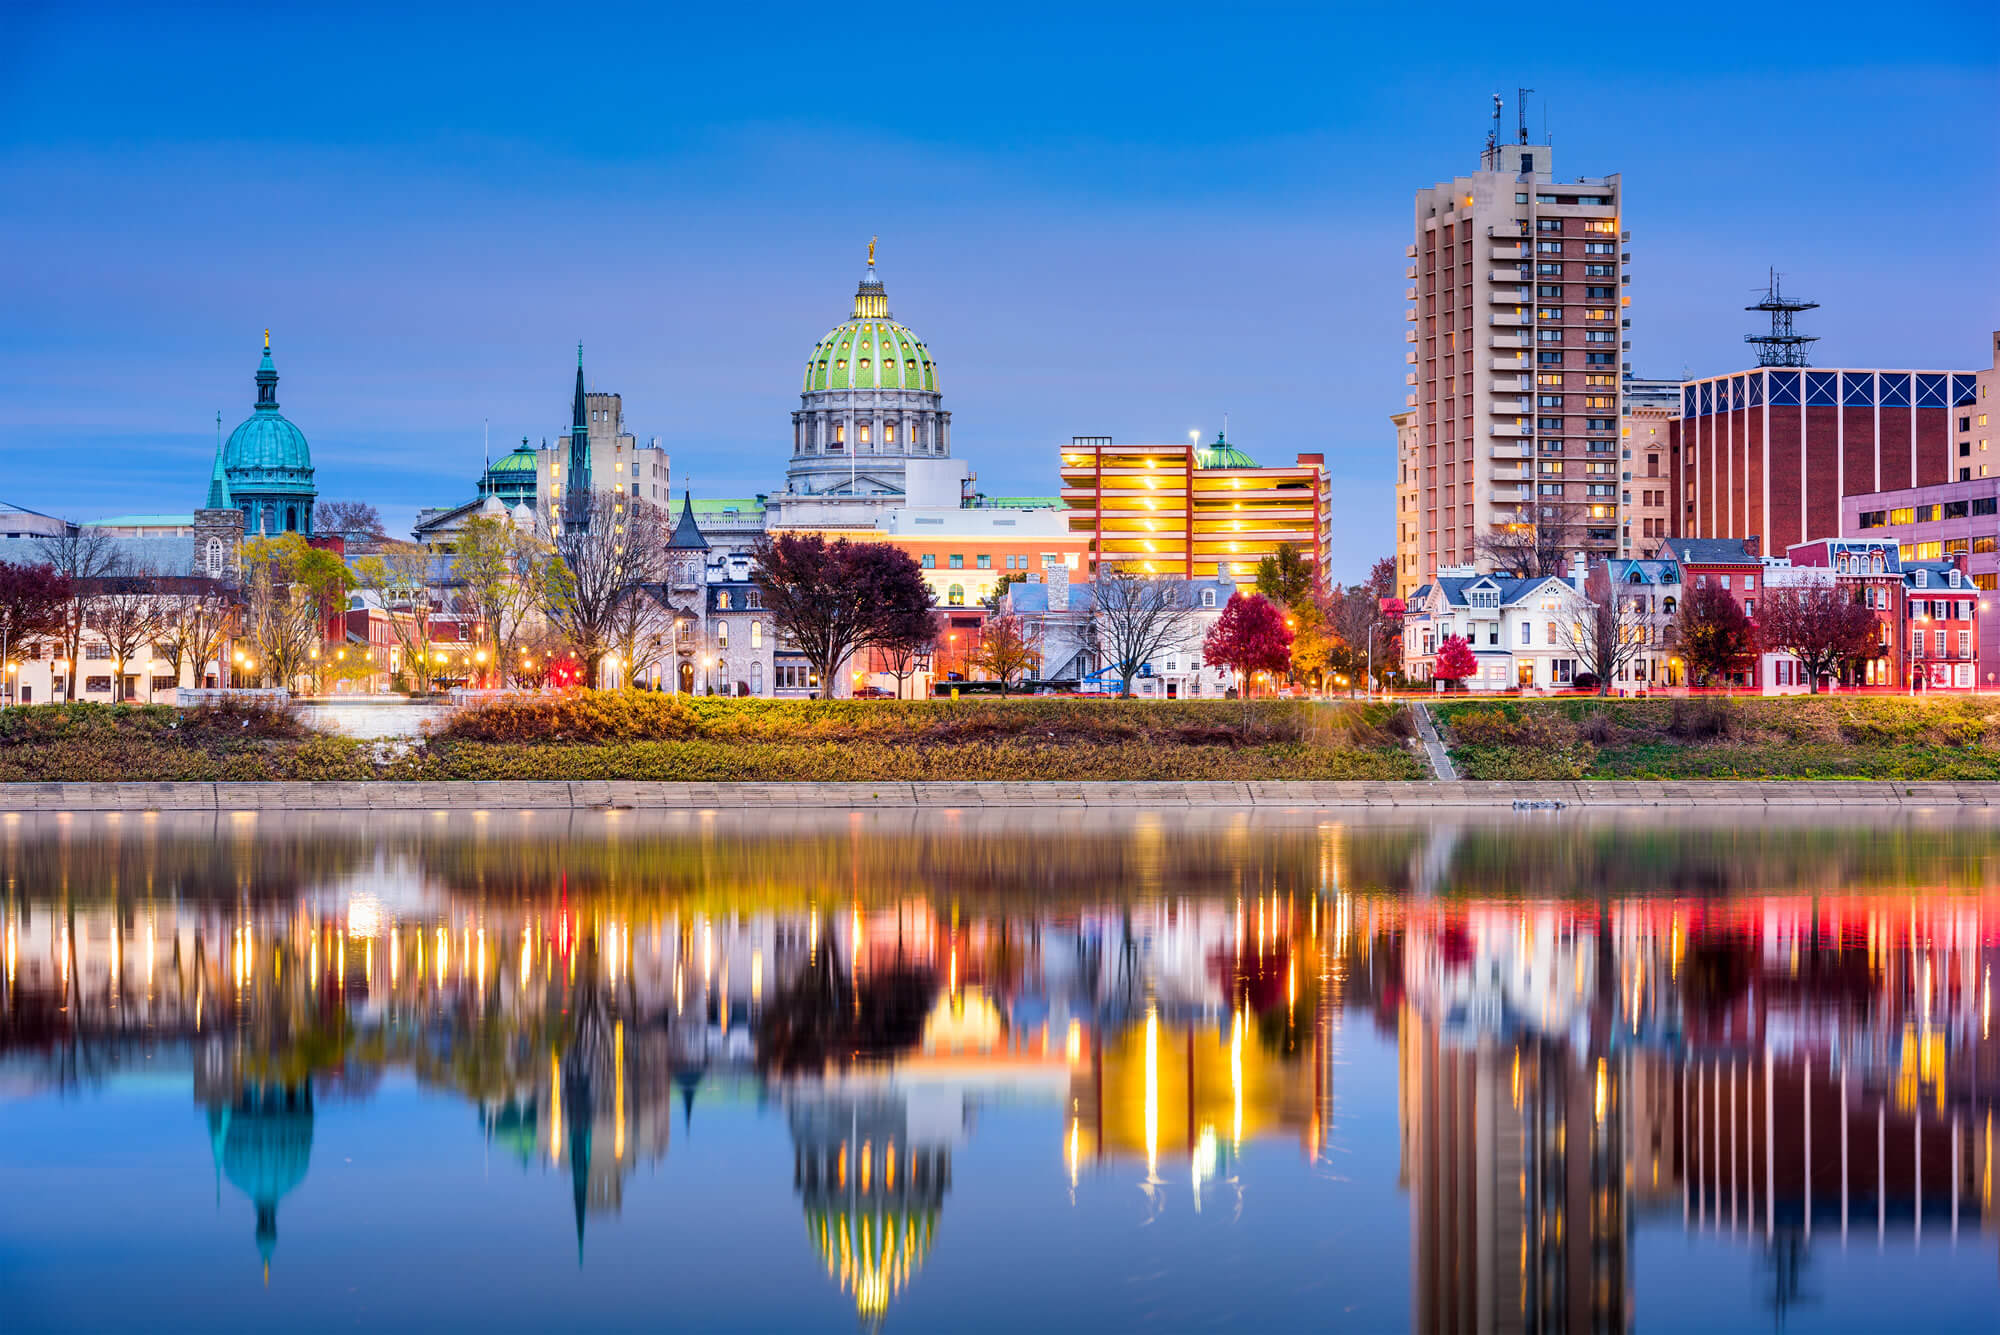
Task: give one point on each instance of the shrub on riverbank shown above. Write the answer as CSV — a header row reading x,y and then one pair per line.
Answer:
x,y
100,743
1750,737
640,735
637,735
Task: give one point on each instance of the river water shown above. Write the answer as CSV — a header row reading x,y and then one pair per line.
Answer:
x,y
998,1071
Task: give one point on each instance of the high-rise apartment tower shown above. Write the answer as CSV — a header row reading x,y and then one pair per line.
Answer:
x,y
1516,347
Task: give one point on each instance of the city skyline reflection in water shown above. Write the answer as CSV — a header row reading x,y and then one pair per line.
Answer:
x,y
527,1069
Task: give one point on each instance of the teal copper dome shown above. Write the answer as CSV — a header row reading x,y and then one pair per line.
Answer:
x,y
267,465
870,350
267,441
1221,454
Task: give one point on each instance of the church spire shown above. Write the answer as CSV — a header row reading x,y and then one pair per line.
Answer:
x,y
576,487
218,485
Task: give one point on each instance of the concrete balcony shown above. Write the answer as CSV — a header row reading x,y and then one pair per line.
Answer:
x,y
1509,295
1411,293
1410,251
1500,342
1410,315
1409,400
1410,271
1510,450
1514,253
1411,356
1511,384
1513,495
1507,429
1516,473
1410,379
1509,320
1510,406
1507,276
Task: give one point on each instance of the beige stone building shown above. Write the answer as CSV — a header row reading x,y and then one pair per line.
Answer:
x,y
618,461
1517,314
1408,575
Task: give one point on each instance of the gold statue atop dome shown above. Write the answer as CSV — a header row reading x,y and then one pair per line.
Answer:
x,y
871,251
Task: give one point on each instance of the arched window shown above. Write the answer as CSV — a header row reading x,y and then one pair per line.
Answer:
x,y
722,600
756,668
753,599
756,635
955,596
722,634
1208,597
212,560
291,519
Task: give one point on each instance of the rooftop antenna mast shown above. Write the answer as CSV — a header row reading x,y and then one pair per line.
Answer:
x,y
1493,135
1521,111
1783,346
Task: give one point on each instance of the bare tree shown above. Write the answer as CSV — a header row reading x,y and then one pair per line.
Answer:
x,y
195,626
127,614
1608,626
606,552
355,523
1530,551
1135,618
642,627
906,650
1823,626
82,555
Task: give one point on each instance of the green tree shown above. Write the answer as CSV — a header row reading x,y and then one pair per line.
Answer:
x,y
1285,577
291,590
502,572
399,575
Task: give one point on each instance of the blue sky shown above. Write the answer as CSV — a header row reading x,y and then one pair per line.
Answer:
x,y
1126,223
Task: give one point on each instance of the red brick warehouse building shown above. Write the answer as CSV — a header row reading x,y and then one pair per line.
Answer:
x,y
1770,453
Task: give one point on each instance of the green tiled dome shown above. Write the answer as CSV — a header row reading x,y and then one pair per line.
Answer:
x,y
870,351
521,460
1221,454
871,354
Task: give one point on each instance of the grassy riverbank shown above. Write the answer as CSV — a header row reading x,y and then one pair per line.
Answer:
x,y
1797,737
660,737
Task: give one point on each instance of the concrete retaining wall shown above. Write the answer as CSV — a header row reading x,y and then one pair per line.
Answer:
x,y
597,795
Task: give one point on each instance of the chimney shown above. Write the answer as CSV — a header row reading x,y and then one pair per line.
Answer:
x,y
1753,546
1579,570
1056,574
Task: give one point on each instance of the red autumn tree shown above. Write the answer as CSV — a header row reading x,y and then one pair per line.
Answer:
x,y
1455,661
1825,628
1250,636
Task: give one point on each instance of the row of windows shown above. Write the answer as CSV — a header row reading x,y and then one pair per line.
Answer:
x,y
1830,389
983,561
1932,513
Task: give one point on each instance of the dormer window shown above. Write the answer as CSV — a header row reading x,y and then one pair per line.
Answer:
x,y
1923,578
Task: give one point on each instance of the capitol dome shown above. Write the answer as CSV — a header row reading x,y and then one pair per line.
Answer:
x,y
868,404
867,352
268,464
